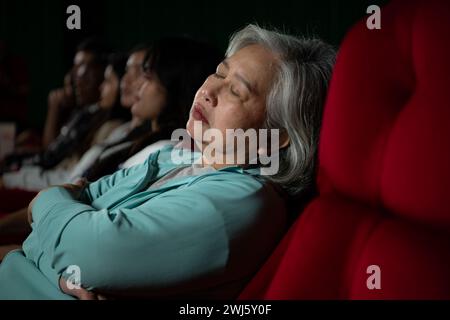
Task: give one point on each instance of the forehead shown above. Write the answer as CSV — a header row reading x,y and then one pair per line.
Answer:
x,y
109,71
256,64
136,58
82,57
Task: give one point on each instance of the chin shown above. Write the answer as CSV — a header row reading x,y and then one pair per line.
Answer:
x,y
190,127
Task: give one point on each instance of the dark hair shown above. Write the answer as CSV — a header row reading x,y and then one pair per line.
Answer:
x,y
296,99
139,47
97,47
118,63
182,64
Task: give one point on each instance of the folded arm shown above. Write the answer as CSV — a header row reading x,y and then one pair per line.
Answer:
x,y
175,237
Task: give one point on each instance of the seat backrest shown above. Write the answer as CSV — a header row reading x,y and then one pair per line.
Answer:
x,y
380,227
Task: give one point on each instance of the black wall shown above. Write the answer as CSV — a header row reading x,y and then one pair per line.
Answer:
x,y
36,30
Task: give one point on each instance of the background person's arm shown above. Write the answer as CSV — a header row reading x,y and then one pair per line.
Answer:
x,y
52,122
15,223
4,250
34,178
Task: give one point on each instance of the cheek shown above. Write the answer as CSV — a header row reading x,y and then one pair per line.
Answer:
x,y
136,84
141,109
231,117
258,119
115,86
255,115
153,100
126,100
125,89
107,90
146,102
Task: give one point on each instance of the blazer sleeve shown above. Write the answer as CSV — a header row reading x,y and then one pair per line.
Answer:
x,y
97,188
175,237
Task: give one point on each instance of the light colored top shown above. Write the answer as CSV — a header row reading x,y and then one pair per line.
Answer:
x,y
34,178
193,236
107,129
182,171
142,155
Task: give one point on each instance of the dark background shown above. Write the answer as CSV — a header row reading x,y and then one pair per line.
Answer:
x,y
36,30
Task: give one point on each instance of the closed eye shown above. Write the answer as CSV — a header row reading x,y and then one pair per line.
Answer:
x,y
234,92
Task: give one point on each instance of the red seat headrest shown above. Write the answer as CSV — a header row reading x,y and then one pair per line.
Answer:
x,y
386,130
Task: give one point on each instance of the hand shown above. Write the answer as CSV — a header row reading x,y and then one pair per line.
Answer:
x,y
30,208
75,189
81,293
56,98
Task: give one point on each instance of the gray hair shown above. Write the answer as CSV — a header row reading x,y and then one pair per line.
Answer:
x,y
296,99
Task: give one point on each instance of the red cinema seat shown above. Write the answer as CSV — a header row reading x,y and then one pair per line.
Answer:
x,y
384,171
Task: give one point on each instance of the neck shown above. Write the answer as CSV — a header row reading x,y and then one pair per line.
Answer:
x,y
208,163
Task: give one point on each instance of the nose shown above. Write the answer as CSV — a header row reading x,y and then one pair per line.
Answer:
x,y
137,82
123,84
80,72
124,81
209,96
138,92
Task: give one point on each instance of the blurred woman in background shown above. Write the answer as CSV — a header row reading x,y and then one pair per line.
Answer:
x,y
161,83
173,69
112,113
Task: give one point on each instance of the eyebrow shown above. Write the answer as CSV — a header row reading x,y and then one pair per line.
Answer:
x,y
241,78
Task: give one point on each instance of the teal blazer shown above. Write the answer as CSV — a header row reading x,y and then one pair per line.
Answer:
x,y
196,236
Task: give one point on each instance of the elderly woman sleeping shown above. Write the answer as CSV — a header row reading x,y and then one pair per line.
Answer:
x,y
167,228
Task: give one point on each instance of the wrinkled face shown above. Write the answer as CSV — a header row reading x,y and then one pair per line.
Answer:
x,y
151,99
88,76
132,80
109,89
235,96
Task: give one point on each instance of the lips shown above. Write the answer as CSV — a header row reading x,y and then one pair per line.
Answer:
x,y
198,113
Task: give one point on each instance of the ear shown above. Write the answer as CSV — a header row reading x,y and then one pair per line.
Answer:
x,y
285,140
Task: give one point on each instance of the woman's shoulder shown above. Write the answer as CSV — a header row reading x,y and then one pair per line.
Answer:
x,y
228,184
237,186
242,200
